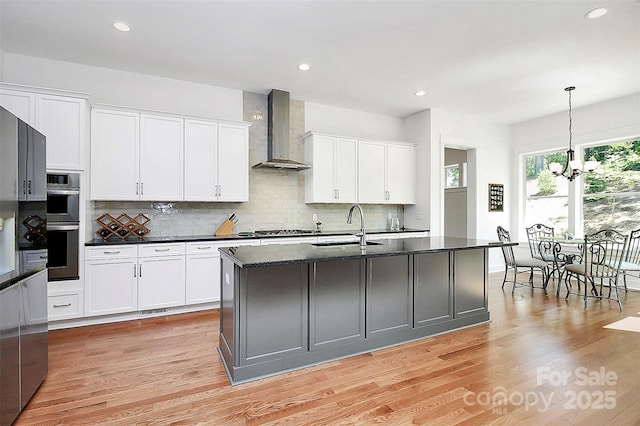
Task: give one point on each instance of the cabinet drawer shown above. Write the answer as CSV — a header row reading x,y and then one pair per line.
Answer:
x,y
110,252
205,247
168,249
65,305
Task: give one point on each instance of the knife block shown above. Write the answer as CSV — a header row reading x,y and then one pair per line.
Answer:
x,y
225,229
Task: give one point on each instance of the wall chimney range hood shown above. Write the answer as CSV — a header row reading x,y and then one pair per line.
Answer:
x,y
278,134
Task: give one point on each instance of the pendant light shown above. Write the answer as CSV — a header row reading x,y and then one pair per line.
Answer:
x,y
572,167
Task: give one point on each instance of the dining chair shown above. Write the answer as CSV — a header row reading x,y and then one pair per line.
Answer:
x,y
539,236
513,262
631,263
602,255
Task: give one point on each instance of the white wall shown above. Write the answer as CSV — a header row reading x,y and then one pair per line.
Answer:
x,y
108,86
489,159
417,128
348,122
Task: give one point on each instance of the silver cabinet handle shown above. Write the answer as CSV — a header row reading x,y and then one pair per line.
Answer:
x,y
338,193
24,187
165,249
44,257
111,252
137,188
52,226
29,186
66,305
134,271
63,191
204,248
141,188
140,274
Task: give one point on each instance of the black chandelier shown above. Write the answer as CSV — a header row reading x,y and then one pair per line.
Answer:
x,y
572,167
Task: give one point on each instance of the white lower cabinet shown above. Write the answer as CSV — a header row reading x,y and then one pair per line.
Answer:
x,y
203,273
161,282
127,278
111,279
203,269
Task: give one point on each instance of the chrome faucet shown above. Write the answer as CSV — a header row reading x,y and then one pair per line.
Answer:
x,y
362,234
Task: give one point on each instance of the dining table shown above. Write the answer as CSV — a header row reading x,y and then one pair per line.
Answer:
x,y
565,250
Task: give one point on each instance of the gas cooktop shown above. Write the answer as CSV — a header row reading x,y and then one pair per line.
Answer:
x,y
282,232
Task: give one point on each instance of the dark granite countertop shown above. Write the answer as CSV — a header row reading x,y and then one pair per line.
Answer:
x,y
248,256
230,238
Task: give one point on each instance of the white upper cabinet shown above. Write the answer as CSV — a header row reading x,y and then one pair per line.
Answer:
x,y
233,162
332,177
136,156
20,104
216,161
62,119
371,172
201,160
386,172
114,155
161,158
401,176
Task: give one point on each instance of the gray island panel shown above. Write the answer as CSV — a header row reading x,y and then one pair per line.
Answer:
x,y
292,306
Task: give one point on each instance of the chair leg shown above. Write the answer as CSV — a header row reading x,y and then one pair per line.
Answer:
x,y
515,277
618,295
504,279
624,277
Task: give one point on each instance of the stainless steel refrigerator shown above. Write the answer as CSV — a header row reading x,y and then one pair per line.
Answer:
x,y
23,280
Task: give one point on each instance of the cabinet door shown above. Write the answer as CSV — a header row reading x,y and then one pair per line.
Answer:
x,y
20,104
203,279
110,286
161,282
346,170
32,174
161,158
320,178
200,160
371,172
37,149
62,120
400,174
233,163
114,155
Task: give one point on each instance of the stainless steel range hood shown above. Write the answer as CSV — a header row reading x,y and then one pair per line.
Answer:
x,y
278,134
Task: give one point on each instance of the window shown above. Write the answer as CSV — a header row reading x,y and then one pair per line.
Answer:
x,y
609,199
547,197
612,192
454,177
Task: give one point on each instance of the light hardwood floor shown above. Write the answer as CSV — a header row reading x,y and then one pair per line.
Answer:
x,y
167,371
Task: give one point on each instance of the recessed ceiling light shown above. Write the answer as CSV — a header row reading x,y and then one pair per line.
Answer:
x,y
121,26
420,93
304,67
596,13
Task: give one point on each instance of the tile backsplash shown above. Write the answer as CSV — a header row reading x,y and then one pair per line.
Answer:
x,y
276,198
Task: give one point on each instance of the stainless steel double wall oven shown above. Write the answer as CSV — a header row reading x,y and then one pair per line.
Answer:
x,y
63,225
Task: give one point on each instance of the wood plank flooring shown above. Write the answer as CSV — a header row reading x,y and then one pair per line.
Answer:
x,y
167,371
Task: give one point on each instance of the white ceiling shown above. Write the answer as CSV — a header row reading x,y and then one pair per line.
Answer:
x,y
506,61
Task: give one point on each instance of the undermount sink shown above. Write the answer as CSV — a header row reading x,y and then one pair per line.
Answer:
x,y
345,243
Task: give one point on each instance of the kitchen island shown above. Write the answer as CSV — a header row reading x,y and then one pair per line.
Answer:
x,y
292,306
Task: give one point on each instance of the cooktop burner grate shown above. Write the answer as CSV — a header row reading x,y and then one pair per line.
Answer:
x,y
273,232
